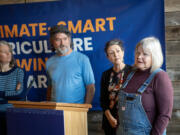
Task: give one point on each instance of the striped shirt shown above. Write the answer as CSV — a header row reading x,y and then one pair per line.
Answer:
x,y
8,84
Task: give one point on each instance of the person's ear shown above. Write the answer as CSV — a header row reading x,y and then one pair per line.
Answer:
x,y
51,44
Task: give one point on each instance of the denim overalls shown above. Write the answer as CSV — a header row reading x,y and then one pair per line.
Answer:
x,y
132,116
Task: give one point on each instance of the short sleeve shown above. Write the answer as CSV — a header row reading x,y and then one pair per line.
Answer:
x,y
88,75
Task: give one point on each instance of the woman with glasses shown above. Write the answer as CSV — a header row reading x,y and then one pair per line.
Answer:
x,y
111,82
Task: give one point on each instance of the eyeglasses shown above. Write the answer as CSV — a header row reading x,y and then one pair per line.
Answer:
x,y
113,53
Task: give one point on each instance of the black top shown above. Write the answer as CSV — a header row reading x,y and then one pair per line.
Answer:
x,y
104,97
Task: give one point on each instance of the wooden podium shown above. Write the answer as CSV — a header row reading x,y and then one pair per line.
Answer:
x,y
75,115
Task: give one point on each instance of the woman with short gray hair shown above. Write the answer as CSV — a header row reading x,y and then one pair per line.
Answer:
x,y
146,98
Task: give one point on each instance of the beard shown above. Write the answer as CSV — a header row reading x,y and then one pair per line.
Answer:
x,y
61,51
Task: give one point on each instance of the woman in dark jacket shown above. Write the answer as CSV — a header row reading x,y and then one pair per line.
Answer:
x,y
111,82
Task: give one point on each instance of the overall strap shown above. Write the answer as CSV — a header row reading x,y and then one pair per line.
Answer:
x,y
128,78
148,81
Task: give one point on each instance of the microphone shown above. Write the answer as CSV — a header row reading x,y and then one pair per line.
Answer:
x,y
29,87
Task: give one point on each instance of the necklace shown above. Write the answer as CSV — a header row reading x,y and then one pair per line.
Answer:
x,y
115,84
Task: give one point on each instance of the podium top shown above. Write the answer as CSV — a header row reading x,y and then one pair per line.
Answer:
x,y
51,105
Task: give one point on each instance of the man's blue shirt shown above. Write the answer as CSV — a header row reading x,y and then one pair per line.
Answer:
x,y
69,75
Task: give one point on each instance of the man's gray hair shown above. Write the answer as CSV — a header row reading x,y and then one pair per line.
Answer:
x,y
59,29
153,45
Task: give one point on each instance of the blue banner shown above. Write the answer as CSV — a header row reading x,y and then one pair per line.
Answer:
x,y
92,23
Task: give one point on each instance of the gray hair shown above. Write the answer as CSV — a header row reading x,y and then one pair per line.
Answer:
x,y
113,42
12,62
59,29
153,45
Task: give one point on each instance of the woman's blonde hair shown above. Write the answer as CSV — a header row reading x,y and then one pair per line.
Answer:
x,y
12,62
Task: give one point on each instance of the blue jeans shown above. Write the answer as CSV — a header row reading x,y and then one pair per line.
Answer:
x,y
132,117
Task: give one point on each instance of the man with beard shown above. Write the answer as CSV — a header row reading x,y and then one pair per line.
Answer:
x,y
70,76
